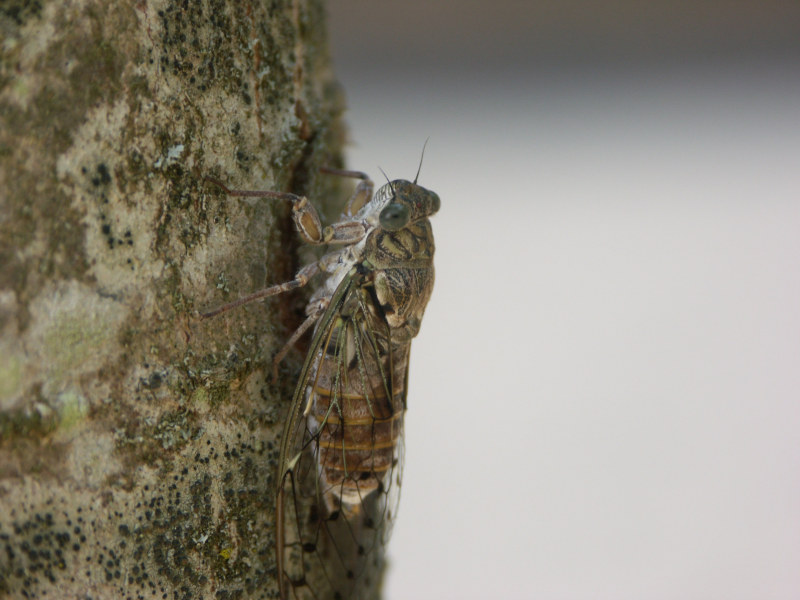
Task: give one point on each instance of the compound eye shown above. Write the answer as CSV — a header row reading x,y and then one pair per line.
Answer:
x,y
395,216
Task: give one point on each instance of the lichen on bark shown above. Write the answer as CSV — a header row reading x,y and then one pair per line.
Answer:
x,y
138,445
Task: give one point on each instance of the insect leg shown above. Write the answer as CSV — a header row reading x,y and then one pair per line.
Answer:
x,y
344,232
361,196
303,212
299,281
322,304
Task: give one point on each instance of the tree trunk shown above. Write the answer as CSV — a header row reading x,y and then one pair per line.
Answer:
x,y
139,444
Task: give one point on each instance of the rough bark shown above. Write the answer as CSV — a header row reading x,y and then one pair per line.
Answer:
x,y
138,448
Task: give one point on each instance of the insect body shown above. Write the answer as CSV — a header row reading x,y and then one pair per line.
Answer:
x,y
342,447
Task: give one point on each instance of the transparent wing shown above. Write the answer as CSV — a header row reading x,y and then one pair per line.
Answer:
x,y
342,454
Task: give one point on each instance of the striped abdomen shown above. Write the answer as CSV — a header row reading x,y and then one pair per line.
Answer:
x,y
358,427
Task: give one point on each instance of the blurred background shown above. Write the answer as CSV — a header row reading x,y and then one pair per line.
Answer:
x,y
605,396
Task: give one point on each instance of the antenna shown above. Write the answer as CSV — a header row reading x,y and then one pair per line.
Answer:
x,y
420,160
391,187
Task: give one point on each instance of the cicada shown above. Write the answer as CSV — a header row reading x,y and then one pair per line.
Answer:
x,y
341,456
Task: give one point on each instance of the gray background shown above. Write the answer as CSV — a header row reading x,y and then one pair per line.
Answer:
x,y
605,396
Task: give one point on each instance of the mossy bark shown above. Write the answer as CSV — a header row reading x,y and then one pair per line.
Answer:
x,y
138,445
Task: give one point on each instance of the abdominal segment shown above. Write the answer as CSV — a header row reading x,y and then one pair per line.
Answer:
x,y
357,428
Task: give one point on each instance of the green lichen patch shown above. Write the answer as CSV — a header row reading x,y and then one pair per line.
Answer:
x,y
72,408
10,375
73,333
35,421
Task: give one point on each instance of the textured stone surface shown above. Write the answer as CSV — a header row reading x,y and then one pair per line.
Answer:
x,y
138,445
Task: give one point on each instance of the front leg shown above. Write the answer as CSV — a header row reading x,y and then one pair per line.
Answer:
x,y
304,214
344,232
360,197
